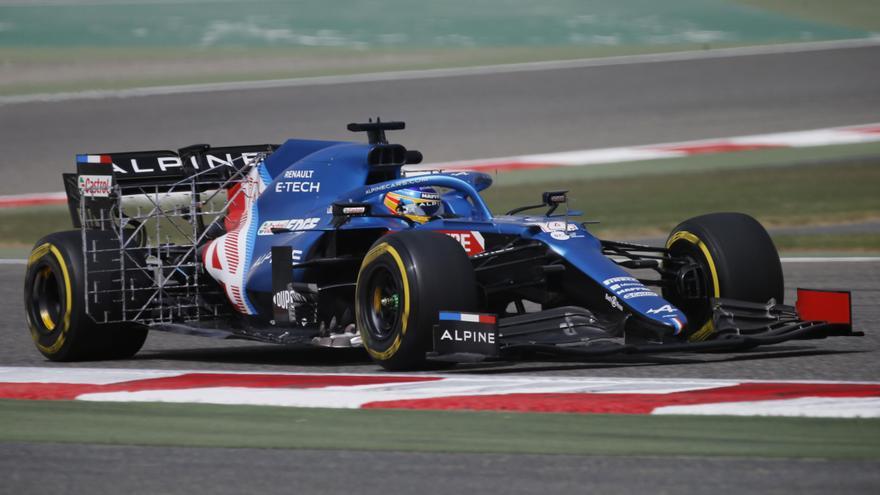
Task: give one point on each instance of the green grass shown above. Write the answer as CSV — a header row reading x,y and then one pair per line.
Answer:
x,y
458,23
21,227
808,194
435,431
859,14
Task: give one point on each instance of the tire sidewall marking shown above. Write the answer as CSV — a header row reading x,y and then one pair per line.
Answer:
x,y
40,253
683,235
372,255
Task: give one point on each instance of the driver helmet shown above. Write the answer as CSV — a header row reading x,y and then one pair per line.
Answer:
x,y
418,204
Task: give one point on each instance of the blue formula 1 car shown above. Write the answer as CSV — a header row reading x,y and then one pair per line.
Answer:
x,y
332,244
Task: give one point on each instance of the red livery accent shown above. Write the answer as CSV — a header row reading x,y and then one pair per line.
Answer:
x,y
215,260
471,241
487,319
825,305
231,245
236,207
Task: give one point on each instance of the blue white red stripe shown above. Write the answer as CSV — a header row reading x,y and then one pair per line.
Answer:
x,y
470,317
678,325
234,249
104,159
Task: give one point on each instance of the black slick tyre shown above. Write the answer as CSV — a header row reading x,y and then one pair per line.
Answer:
x,y
738,261
54,302
405,279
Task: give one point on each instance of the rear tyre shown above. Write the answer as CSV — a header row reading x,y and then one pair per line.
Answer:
x,y
738,261
405,279
54,303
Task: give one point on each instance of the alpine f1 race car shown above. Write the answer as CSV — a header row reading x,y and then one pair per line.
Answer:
x,y
334,244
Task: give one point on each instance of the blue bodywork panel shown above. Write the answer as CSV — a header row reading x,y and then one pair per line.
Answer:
x,y
305,177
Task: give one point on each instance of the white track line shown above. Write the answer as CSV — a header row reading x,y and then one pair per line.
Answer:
x,y
450,72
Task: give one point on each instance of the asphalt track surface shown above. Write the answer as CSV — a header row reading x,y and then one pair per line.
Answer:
x,y
136,469
449,119
465,117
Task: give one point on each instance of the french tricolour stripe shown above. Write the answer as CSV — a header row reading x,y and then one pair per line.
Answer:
x,y
440,392
105,159
471,317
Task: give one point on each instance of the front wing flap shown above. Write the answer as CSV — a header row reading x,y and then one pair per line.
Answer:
x,y
576,332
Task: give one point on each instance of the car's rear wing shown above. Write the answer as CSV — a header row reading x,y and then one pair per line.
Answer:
x,y
101,175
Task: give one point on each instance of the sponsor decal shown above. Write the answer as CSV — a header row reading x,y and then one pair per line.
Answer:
x,y
619,280
662,309
95,186
298,174
398,184
628,288
555,226
293,224
472,241
296,257
267,226
297,186
634,295
612,300
625,286
289,298
559,235
154,164
466,332
468,336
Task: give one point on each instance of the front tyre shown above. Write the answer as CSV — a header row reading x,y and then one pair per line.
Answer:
x,y
54,302
405,279
737,259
